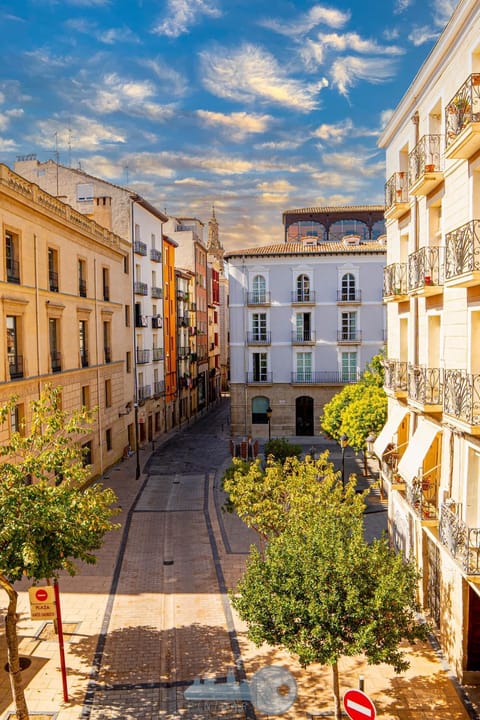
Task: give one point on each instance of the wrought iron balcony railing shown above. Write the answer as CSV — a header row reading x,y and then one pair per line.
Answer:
x,y
395,280
258,298
144,392
143,356
462,252
156,292
139,247
303,296
396,190
106,293
324,377
259,337
461,541
53,281
349,336
140,288
426,157
461,396
107,352
13,271
425,385
349,296
15,366
303,336
82,288
155,255
463,108
157,354
421,494
426,268
258,377
56,361
158,388
84,358
396,376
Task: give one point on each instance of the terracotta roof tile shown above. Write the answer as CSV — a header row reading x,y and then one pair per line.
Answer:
x,y
292,248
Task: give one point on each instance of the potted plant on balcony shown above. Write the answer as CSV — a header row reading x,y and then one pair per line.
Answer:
x,y
430,167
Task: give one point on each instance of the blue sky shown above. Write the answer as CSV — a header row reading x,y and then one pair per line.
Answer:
x,y
254,105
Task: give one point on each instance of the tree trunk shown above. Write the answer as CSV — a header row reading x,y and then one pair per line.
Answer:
x,y
336,692
16,683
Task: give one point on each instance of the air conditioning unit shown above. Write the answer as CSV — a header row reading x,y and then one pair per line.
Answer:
x,y
143,321
156,321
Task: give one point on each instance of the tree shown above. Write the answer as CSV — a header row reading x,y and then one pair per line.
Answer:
x,y
45,526
320,591
282,449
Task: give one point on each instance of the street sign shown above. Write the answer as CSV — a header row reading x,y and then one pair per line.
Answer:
x,y
358,705
42,603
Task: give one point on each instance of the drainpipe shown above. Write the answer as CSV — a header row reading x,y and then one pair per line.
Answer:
x,y
37,318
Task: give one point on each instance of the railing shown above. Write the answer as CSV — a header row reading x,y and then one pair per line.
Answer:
x,y
139,247
15,366
461,397
157,354
258,298
183,351
460,540
303,296
53,281
421,494
156,292
259,377
396,376
140,288
84,358
303,336
259,338
462,254
426,267
144,392
13,271
158,388
349,296
82,288
325,377
155,255
396,189
349,336
107,353
183,320
463,108
425,157
143,356
425,385
106,293
55,361
395,279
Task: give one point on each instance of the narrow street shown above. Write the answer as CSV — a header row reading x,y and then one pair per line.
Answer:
x,y
153,614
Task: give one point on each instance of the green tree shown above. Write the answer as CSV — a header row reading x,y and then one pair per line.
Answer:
x,y
320,591
282,449
45,526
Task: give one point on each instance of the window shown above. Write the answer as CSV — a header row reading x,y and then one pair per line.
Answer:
x,y
137,232
127,315
108,393
12,257
106,342
303,288
259,289
83,342
349,366
87,453
259,327
259,410
108,438
128,361
82,278
126,264
348,287
260,365
17,420
304,366
85,396
85,192
303,327
349,326
15,358
53,270
53,335
106,284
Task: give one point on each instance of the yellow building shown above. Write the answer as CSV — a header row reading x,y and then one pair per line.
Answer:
x,y
429,450
65,297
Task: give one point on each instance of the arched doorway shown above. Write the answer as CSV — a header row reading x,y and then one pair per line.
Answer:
x,y
304,415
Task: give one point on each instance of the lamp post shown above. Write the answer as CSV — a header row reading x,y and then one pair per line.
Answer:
x,y
343,445
137,448
269,412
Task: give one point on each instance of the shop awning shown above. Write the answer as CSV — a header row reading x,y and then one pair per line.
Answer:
x,y
389,429
417,448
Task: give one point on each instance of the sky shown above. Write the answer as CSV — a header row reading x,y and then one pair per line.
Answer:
x,y
253,106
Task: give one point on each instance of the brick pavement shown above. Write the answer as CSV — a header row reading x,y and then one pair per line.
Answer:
x,y
161,617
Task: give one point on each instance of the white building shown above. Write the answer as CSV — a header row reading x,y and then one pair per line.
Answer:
x,y
430,448
305,318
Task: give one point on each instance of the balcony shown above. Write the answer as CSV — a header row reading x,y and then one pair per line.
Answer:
x,y
183,351
324,377
421,495
139,248
425,388
53,281
82,288
462,255
155,255
15,366
143,356
462,120
106,293
141,321
461,541
140,288
461,399
349,336
303,297
55,361
395,282
426,271
157,354
156,322
13,271
349,297
396,195
259,378
158,388
303,337
258,298
425,164
83,358
259,337
396,378
156,292
144,392
182,320
107,352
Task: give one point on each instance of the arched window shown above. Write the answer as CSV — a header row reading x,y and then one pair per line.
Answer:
x,y
259,288
303,288
348,287
259,410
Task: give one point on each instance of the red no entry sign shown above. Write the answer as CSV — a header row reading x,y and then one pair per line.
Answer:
x,y
41,595
358,706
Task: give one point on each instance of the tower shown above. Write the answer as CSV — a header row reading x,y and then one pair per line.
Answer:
x,y
214,247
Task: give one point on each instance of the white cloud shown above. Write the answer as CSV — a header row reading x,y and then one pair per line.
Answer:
x,y
184,14
129,96
86,134
7,145
401,6
313,51
317,15
279,145
442,11
237,124
194,182
250,73
42,57
108,36
176,83
334,134
385,116
421,35
347,71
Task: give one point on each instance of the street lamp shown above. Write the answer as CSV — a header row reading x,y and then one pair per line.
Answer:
x,y
343,445
269,412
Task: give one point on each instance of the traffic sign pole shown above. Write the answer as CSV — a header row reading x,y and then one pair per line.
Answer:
x,y
60,640
358,705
